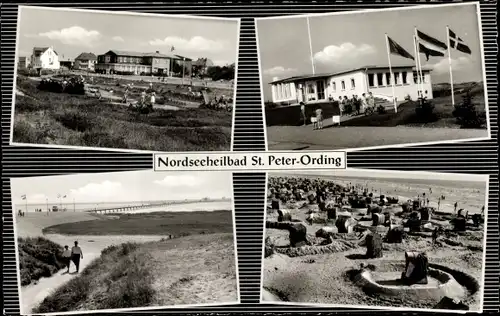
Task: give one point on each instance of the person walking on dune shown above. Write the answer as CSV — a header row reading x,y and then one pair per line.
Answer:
x,y
67,257
76,255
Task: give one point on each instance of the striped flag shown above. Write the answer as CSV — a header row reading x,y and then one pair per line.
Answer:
x,y
430,46
23,196
458,44
397,49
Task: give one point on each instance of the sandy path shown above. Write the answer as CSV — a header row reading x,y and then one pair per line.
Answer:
x,y
330,138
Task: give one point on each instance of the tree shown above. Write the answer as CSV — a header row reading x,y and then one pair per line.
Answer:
x,y
221,73
466,114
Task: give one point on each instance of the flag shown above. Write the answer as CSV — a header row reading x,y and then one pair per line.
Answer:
x,y
397,49
23,196
458,43
172,48
64,197
58,196
430,46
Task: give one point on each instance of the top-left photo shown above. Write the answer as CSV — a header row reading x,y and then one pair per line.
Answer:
x,y
124,81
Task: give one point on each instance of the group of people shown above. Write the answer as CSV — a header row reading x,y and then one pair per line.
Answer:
x,y
348,106
147,98
74,255
355,105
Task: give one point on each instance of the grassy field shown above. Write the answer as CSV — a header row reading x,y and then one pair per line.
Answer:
x,y
61,119
189,270
38,257
156,223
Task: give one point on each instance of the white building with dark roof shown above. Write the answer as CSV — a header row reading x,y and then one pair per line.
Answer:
x,y
85,61
378,80
45,58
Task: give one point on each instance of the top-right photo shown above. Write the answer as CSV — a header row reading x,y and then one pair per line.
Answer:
x,y
373,78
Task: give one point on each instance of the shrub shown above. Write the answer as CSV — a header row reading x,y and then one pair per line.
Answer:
x,y
425,111
466,114
38,257
381,109
347,108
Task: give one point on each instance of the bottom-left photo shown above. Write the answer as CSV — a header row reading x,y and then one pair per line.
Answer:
x,y
124,241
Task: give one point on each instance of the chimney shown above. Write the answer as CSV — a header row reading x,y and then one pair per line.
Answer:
x,y
157,51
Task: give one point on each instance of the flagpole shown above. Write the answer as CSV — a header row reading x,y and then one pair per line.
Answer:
x,y
47,201
391,74
416,64
310,45
26,203
449,62
183,67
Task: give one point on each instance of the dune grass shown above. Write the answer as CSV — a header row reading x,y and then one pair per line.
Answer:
x,y
155,223
56,118
194,269
38,257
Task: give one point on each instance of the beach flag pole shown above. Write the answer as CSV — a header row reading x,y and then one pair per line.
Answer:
x,y
449,62
47,201
391,74
310,45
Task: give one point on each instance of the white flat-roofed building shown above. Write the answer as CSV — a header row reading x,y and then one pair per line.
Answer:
x,y
378,80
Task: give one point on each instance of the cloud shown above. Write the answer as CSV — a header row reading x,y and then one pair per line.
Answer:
x,y
458,64
195,44
345,54
74,35
179,181
96,191
118,39
279,71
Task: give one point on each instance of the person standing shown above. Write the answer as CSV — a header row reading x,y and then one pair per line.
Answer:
x,y
455,207
303,113
364,102
371,100
67,257
76,255
152,99
319,117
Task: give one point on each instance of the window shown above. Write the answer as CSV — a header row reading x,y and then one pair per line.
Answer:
x,y
396,78
371,82
415,77
310,88
321,89
388,78
380,79
342,85
403,74
334,85
353,84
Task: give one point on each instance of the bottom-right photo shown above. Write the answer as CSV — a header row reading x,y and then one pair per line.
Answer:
x,y
370,238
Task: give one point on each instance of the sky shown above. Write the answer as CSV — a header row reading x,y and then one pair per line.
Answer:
x,y
384,174
73,32
345,41
131,186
